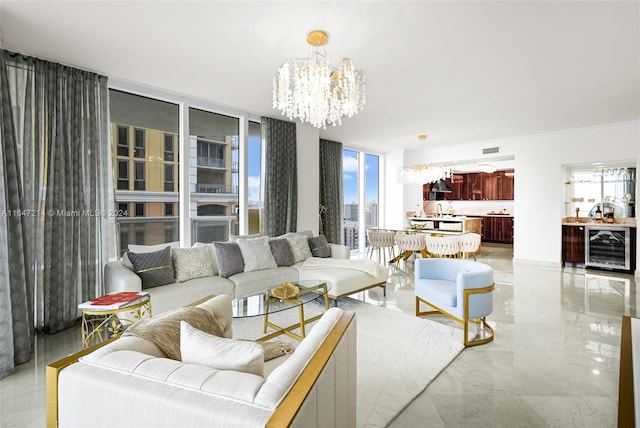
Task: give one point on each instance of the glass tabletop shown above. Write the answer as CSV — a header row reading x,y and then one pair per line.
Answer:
x,y
252,306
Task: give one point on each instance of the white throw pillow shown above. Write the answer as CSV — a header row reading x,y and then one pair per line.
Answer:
x,y
256,254
198,347
191,263
299,248
212,255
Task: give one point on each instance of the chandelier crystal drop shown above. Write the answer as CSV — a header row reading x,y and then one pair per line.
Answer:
x,y
314,91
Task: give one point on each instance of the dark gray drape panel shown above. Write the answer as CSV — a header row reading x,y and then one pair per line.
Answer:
x,y
61,134
280,178
331,190
74,107
16,282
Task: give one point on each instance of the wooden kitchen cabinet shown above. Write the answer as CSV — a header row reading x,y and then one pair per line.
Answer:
x,y
497,229
573,245
456,183
489,186
505,185
477,186
473,187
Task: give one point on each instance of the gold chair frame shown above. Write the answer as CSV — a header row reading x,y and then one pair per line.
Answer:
x,y
482,322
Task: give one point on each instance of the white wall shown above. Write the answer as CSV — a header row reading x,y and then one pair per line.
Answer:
x,y
308,177
539,179
393,191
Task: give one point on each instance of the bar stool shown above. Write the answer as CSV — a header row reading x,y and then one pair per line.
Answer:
x,y
409,244
470,245
443,246
383,243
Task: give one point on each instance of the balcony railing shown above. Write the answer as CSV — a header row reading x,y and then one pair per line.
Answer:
x,y
211,162
210,229
216,188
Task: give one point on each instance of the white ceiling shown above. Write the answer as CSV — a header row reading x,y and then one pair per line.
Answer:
x,y
457,71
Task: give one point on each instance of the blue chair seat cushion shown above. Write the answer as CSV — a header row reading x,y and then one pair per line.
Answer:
x,y
439,292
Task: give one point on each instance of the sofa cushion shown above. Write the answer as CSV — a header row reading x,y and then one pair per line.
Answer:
x,y
256,254
191,263
154,268
281,251
198,347
164,329
299,248
229,258
319,246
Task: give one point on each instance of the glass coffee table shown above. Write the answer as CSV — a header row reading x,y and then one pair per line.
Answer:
x,y
266,304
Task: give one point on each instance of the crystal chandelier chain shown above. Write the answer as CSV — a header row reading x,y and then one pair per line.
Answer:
x,y
314,91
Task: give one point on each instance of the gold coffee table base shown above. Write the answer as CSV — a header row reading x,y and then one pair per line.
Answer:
x,y
302,321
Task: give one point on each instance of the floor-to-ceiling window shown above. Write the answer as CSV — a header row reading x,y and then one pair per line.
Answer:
x,y
213,175
351,195
146,130
145,146
361,190
254,180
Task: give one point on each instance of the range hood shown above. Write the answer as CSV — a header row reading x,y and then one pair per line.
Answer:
x,y
440,186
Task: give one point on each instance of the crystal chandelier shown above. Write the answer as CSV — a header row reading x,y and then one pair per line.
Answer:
x,y
421,174
313,91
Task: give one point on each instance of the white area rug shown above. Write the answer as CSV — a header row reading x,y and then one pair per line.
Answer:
x,y
398,355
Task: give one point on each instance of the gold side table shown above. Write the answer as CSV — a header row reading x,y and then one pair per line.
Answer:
x,y
101,324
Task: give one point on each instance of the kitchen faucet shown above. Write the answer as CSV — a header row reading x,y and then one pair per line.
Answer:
x,y
439,210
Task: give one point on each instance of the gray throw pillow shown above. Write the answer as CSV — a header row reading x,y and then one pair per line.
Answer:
x,y
281,251
154,269
319,246
229,258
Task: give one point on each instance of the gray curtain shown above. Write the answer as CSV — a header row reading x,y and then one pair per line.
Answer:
x,y
55,121
331,190
281,177
16,283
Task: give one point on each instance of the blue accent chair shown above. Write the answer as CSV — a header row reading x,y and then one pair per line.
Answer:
x,y
460,289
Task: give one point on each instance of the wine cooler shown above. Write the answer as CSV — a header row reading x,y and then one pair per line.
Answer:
x,y
607,247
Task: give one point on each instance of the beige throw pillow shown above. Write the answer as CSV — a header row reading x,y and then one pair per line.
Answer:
x,y
164,330
299,248
198,347
191,263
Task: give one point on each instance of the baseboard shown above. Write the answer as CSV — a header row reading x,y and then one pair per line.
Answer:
x,y
536,264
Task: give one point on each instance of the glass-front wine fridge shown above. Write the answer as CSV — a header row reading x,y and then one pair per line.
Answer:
x,y
607,247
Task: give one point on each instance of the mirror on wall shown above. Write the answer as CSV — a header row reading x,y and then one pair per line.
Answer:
x,y
607,187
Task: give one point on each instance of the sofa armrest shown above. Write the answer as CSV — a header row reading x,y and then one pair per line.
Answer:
x,y
118,277
340,251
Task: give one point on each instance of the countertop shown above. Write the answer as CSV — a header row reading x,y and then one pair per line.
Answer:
x,y
461,217
625,223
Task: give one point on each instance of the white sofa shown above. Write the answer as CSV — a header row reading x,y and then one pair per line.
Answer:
x,y
343,280
130,382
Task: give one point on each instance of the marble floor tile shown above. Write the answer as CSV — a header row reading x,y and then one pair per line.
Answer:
x,y
554,361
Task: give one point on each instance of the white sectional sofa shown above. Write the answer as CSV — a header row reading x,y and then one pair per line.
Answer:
x,y
130,382
343,275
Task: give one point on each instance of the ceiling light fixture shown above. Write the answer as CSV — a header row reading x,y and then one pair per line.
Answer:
x,y
313,91
487,167
421,174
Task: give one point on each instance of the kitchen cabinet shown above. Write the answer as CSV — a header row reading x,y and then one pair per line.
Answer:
x,y
473,187
573,245
489,186
456,183
497,229
505,185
